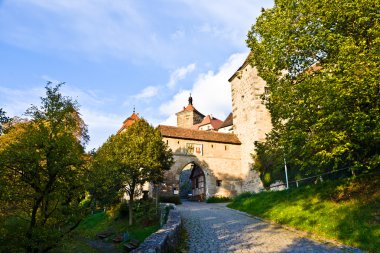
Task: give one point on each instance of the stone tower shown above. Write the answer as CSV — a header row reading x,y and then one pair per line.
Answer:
x,y
251,119
189,116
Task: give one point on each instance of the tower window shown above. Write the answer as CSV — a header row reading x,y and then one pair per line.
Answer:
x,y
218,183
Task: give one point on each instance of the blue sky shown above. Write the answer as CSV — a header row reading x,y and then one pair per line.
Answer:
x,y
114,54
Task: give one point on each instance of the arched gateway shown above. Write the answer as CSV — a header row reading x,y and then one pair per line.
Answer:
x,y
214,159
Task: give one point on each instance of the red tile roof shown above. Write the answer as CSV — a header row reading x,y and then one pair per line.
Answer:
x,y
215,123
129,121
190,107
189,134
228,121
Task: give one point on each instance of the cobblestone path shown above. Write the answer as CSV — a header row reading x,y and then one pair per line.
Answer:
x,y
216,228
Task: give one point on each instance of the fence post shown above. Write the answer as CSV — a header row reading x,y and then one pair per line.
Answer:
x,y
286,174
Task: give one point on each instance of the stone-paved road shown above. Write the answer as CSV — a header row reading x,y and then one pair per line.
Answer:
x,y
216,228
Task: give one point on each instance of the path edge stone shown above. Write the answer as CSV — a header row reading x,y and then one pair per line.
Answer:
x,y
166,239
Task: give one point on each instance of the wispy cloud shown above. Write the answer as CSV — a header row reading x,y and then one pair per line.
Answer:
x,y
100,124
180,74
127,29
211,92
94,27
147,92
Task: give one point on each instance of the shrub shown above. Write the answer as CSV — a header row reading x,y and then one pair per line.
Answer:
x,y
218,199
145,212
123,210
175,199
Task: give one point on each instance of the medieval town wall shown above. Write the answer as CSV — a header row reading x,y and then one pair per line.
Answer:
x,y
251,119
219,161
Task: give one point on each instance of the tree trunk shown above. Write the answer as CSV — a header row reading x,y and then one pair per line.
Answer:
x,y
32,224
130,207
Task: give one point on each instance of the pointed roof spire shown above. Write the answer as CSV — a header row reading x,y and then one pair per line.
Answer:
x,y
190,100
129,121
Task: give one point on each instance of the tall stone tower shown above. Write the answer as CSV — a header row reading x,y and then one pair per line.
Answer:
x,y
189,116
251,119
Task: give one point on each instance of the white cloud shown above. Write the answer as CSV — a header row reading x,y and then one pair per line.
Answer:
x,y
129,29
211,92
16,101
100,124
225,19
179,34
180,74
116,28
147,92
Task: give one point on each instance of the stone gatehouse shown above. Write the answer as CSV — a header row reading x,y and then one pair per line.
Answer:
x,y
214,157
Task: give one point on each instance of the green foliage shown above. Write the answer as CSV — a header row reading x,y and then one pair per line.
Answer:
x,y
43,177
127,160
183,246
94,223
346,210
218,199
101,222
123,210
3,120
320,60
174,199
145,212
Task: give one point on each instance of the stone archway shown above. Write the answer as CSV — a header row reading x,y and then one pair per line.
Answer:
x,y
185,186
174,177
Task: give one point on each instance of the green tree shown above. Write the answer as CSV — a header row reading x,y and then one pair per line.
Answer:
x,y
43,177
320,59
3,120
131,158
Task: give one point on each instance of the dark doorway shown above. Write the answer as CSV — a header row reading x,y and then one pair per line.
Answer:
x,y
198,183
185,189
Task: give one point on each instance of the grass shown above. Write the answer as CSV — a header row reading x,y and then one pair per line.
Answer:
x,y
73,245
345,210
101,222
218,199
183,247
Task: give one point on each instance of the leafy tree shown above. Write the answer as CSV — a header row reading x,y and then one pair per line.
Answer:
x,y
3,120
129,159
320,59
43,177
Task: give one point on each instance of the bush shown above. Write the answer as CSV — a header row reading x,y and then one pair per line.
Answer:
x,y
218,199
123,210
145,212
175,199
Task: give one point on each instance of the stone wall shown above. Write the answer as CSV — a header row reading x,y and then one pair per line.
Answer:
x,y
166,239
219,161
251,119
186,119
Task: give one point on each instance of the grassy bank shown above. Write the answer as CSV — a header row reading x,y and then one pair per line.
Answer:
x,y
346,210
101,222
